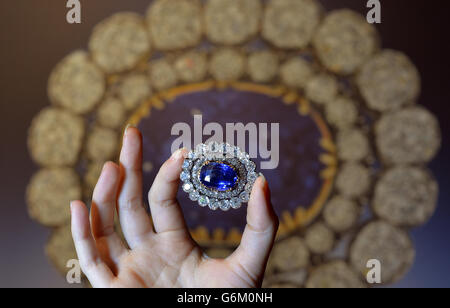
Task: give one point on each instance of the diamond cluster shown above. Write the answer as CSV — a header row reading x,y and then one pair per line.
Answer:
x,y
221,153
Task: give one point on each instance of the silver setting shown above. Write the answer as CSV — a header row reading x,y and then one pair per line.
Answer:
x,y
207,197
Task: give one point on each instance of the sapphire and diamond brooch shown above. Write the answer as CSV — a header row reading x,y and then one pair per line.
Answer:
x,y
218,175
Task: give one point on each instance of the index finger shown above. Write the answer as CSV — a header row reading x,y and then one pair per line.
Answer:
x,y
165,210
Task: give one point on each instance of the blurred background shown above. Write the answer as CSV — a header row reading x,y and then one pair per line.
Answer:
x,y
35,36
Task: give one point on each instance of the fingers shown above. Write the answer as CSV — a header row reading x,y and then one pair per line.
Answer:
x,y
135,222
166,212
103,208
96,271
251,256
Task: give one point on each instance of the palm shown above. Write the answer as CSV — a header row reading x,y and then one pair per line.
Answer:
x,y
161,254
156,265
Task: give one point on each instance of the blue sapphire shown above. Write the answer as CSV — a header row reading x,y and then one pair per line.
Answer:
x,y
218,176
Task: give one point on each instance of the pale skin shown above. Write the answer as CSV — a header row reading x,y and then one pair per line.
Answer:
x,y
160,251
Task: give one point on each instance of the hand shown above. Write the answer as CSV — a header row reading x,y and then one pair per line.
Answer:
x,y
161,254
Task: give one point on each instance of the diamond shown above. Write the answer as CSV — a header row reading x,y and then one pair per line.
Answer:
x,y
218,176
225,205
243,155
235,203
203,201
251,177
244,196
187,187
186,164
251,166
194,195
229,151
184,176
200,150
214,205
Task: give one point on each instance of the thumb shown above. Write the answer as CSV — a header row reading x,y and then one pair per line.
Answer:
x,y
259,234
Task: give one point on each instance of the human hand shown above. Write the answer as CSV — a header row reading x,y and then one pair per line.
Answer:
x,y
161,254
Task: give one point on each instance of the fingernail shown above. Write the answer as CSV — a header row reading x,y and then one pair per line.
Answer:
x,y
71,206
178,154
126,128
262,177
103,168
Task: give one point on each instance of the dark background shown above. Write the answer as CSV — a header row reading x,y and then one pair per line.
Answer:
x,y
35,36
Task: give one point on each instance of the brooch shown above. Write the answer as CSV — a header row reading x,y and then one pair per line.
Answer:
x,y
218,175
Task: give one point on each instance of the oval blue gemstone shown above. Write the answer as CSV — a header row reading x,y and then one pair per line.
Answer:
x,y
218,176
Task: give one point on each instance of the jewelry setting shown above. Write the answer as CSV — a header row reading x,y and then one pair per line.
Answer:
x,y
218,175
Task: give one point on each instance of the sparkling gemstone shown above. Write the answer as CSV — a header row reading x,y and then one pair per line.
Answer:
x,y
194,195
203,201
251,166
187,187
229,151
184,176
216,148
214,205
210,155
251,177
200,150
244,196
243,155
186,164
235,203
218,176
225,205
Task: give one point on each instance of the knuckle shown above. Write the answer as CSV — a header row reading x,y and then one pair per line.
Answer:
x,y
105,201
164,203
131,204
155,199
269,227
135,168
103,232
